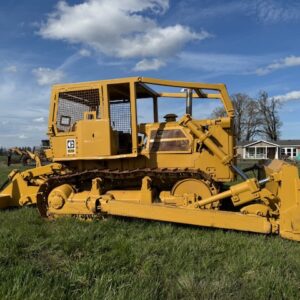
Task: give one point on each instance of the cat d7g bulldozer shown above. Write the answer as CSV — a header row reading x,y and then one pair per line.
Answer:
x,y
105,162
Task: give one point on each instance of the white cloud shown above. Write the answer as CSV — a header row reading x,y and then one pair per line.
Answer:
x,y
287,62
84,52
149,64
291,96
273,11
47,76
22,101
39,120
119,29
158,42
10,69
22,137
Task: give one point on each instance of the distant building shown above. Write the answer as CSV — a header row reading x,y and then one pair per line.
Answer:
x,y
263,149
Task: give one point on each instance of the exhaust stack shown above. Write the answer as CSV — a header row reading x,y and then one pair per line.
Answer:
x,y
189,101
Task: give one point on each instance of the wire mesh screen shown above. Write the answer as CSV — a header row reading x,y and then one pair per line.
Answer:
x,y
120,116
73,104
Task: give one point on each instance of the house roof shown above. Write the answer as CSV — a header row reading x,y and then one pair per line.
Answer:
x,y
244,143
288,142
275,143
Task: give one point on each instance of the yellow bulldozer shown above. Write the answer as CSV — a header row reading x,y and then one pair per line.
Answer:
x,y
105,162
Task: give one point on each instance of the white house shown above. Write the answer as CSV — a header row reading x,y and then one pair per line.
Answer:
x,y
263,149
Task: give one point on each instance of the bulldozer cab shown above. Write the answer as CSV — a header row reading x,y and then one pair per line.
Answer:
x,y
99,120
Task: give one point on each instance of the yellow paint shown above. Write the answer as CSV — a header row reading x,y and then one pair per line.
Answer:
x,y
84,137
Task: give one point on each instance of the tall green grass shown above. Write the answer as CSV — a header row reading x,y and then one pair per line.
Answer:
x,y
118,258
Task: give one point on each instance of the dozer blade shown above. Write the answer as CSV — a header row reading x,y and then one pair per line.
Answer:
x,y
281,188
22,188
17,191
285,184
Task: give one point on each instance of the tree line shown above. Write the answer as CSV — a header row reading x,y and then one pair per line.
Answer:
x,y
254,117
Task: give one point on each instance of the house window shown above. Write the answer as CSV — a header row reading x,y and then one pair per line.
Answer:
x,y
289,152
251,152
260,152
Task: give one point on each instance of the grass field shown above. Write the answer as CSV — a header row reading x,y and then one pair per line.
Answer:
x,y
120,258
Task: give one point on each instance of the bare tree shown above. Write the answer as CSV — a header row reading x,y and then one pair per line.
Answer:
x,y
268,108
247,117
240,102
218,112
252,120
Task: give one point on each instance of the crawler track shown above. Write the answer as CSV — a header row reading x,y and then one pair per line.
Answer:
x,y
161,179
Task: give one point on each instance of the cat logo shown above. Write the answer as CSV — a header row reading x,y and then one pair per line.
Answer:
x,y
71,146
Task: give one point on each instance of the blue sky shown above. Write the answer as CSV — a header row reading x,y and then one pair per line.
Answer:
x,y
249,45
